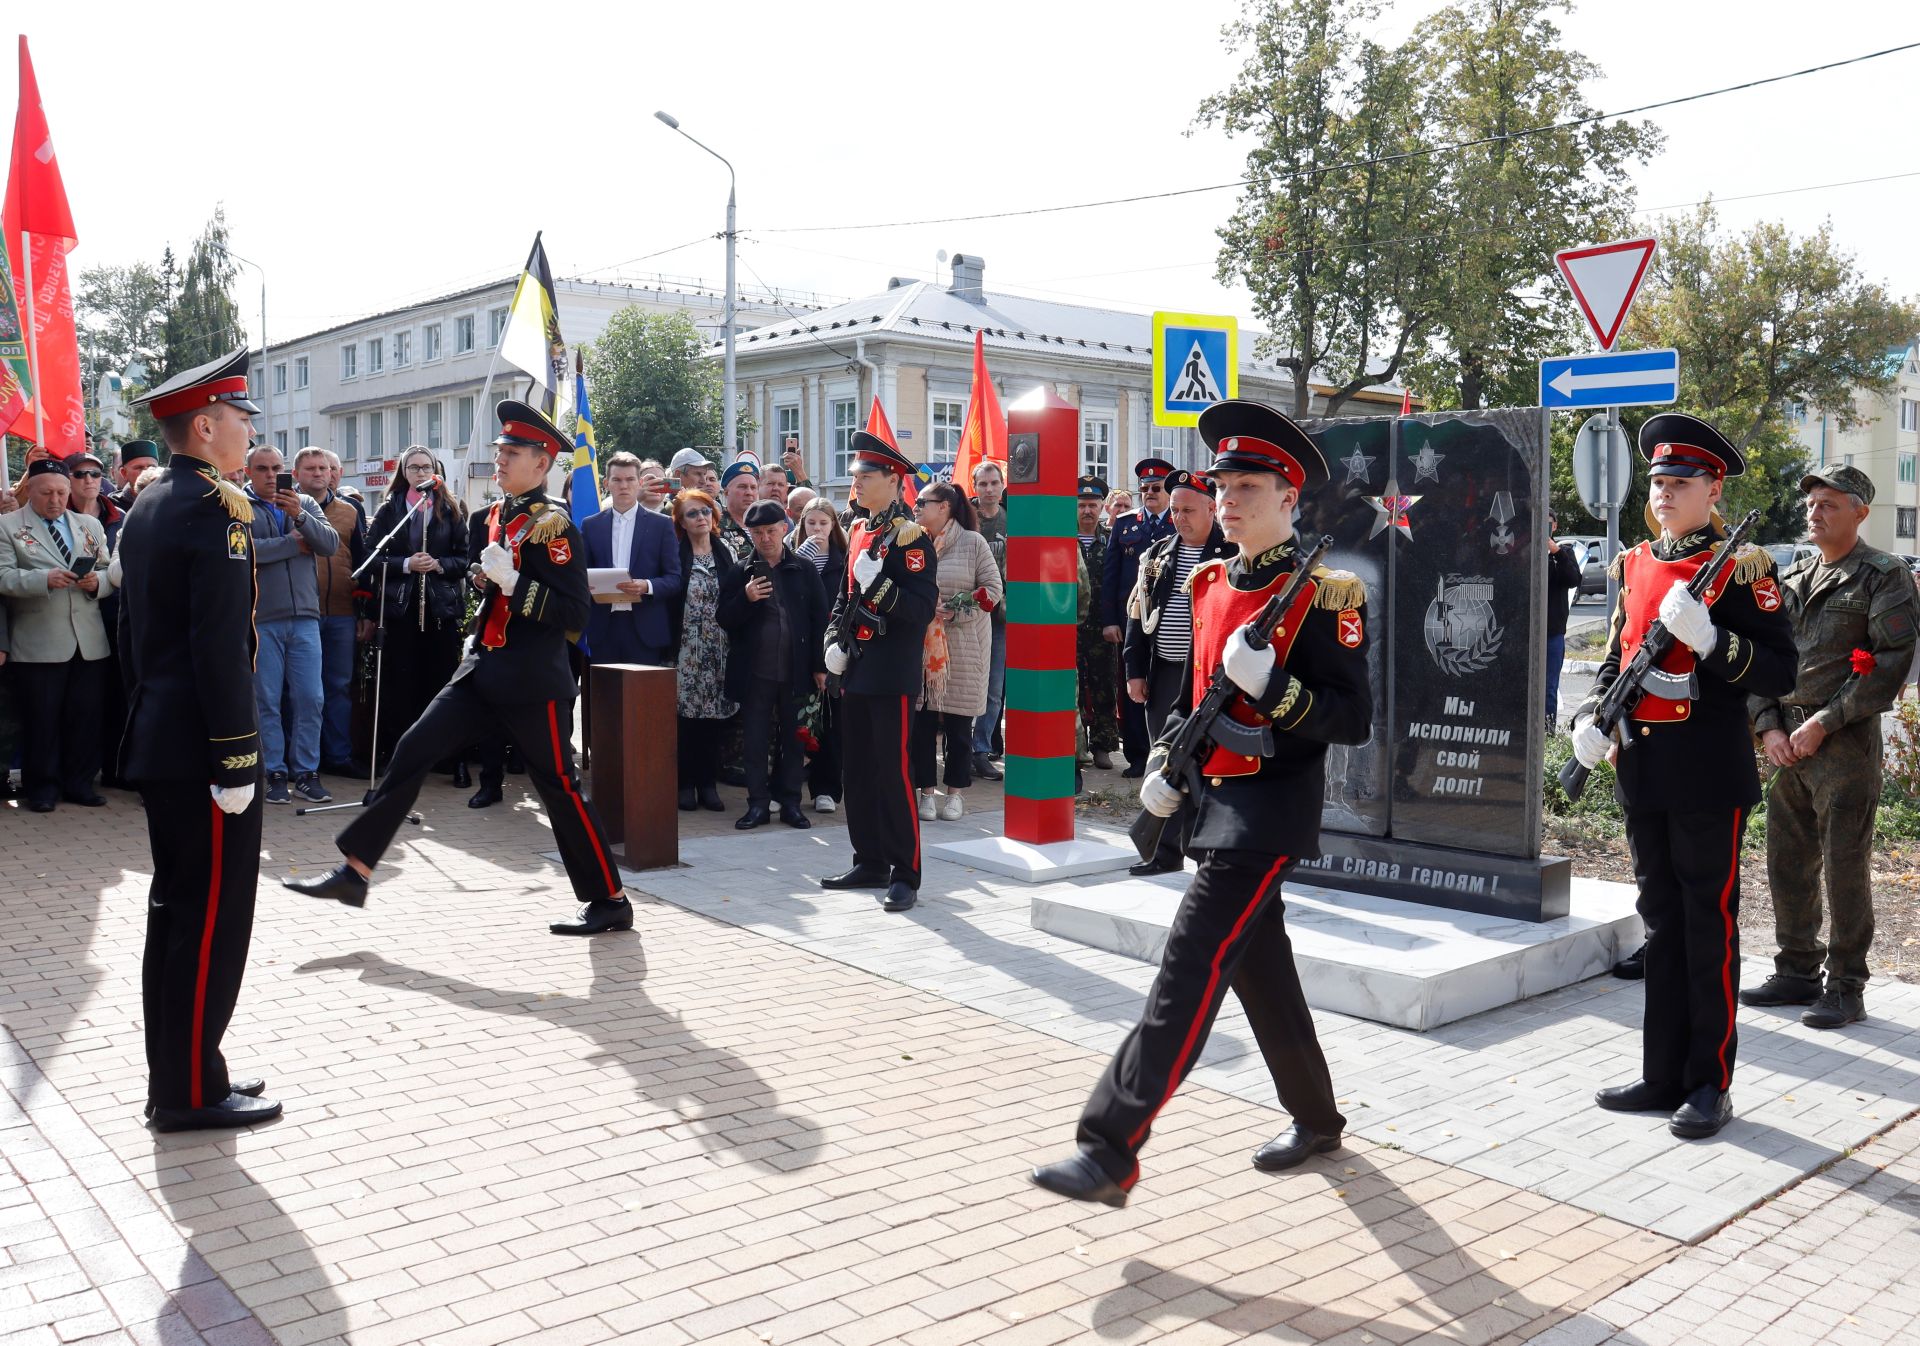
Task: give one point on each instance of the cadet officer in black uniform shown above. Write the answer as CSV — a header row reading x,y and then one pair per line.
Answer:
x,y
874,643
186,633
514,677
1256,816
1159,644
1132,535
1685,765
1093,654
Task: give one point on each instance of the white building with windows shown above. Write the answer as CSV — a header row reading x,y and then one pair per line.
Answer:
x,y
814,380
368,389
1884,444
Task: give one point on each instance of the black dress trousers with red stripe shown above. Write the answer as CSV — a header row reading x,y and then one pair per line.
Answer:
x,y
883,822
199,923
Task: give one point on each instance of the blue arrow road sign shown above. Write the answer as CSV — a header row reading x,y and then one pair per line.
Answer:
x,y
1619,379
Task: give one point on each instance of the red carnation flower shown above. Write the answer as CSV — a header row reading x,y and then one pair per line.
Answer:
x,y
1863,662
983,598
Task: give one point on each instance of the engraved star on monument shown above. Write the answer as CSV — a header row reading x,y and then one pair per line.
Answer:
x,y
1426,465
1358,464
1392,508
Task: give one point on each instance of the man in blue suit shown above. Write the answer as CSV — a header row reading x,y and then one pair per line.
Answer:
x,y
626,536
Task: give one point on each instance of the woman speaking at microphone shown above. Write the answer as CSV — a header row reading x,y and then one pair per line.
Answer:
x,y
422,585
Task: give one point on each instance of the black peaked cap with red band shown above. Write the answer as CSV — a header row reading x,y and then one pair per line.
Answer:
x,y
1152,469
1182,480
221,380
1253,437
522,424
873,451
1678,445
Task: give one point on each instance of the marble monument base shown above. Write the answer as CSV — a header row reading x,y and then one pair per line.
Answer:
x,y
1376,958
1036,864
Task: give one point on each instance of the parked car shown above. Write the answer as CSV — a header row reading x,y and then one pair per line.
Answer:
x,y
1593,570
1786,553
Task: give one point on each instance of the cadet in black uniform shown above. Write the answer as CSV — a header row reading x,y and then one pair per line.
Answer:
x,y
1159,647
1256,816
514,677
874,644
1686,772
186,634
1131,536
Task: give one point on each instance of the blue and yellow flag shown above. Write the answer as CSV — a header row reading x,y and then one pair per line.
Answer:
x,y
585,499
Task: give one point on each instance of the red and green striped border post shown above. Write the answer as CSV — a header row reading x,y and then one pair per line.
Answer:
x,y
1043,683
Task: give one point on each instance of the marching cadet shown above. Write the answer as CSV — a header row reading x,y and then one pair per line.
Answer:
x,y
1132,534
1852,609
1685,767
186,633
514,678
874,644
1255,816
1093,654
1159,644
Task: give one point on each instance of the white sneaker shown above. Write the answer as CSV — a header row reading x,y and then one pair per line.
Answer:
x,y
950,809
824,804
927,813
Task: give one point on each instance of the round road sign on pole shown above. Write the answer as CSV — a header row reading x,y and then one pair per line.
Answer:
x,y
1602,465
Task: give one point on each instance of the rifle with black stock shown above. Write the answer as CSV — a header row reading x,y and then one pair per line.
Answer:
x,y
1209,724
1624,693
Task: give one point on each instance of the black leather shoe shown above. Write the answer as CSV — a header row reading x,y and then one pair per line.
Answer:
x,y
510,761
88,800
860,876
1102,760
791,815
899,897
485,797
249,1088
40,803
340,884
596,918
1706,1110
1779,990
462,778
984,768
1293,1147
755,816
710,799
1633,967
233,1110
1836,1008
689,800
1155,866
1081,1179
1133,773
1640,1097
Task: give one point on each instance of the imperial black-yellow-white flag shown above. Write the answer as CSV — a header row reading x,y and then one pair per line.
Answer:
x,y
532,341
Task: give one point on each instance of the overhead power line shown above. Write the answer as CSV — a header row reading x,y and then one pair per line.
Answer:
x,y
1356,163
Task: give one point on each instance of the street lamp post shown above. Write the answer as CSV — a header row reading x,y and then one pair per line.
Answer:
x,y
728,411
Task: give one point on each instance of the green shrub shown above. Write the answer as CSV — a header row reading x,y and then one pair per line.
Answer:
x,y
1597,801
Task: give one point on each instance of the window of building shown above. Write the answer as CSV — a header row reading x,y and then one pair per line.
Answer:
x,y
463,334
376,436
430,341
376,355
346,433
846,419
496,324
402,349
349,362
301,376
463,420
1909,414
280,442
1096,448
302,435
280,377
403,428
946,418
1175,444
786,426
1903,520
434,410
1907,466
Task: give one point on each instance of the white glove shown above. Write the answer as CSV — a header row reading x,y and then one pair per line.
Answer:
x,y
232,798
1249,668
865,567
1157,797
1589,744
836,659
1688,619
497,563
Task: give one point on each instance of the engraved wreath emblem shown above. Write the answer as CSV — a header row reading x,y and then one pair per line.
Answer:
x,y
1462,634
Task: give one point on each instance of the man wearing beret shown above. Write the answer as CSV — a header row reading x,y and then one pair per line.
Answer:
x,y
136,456
1853,613
739,488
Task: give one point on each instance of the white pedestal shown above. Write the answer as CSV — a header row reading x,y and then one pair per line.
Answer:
x,y
1035,864
1375,958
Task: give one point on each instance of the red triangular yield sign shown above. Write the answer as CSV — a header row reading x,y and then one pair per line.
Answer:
x,y
1604,278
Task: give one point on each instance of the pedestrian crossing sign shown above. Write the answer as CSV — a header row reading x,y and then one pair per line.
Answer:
x,y
1196,362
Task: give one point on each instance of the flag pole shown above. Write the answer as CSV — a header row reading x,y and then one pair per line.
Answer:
x,y
33,342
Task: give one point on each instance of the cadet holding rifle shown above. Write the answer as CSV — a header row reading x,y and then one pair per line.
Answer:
x,y
1258,810
1685,762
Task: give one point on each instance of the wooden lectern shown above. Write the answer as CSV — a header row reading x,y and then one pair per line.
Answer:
x,y
634,771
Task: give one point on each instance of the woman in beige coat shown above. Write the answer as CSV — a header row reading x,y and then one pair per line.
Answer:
x,y
958,650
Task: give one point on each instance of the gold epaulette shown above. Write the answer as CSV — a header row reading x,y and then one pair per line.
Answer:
x,y
907,532
234,499
1617,567
1751,563
550,525
1338,590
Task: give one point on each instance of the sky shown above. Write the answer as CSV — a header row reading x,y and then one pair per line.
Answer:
x,y
369,156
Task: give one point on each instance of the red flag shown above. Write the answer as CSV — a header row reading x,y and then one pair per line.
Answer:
x,y
983,437
1406,402
881,429
36,206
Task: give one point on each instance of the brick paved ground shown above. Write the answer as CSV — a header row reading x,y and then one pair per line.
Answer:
x,y
694,1133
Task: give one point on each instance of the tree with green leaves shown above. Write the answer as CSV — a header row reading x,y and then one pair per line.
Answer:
x,y
123,318
653,391
203,321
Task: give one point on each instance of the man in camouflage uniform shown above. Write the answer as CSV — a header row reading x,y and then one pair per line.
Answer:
x,y
1854,618
1097,658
